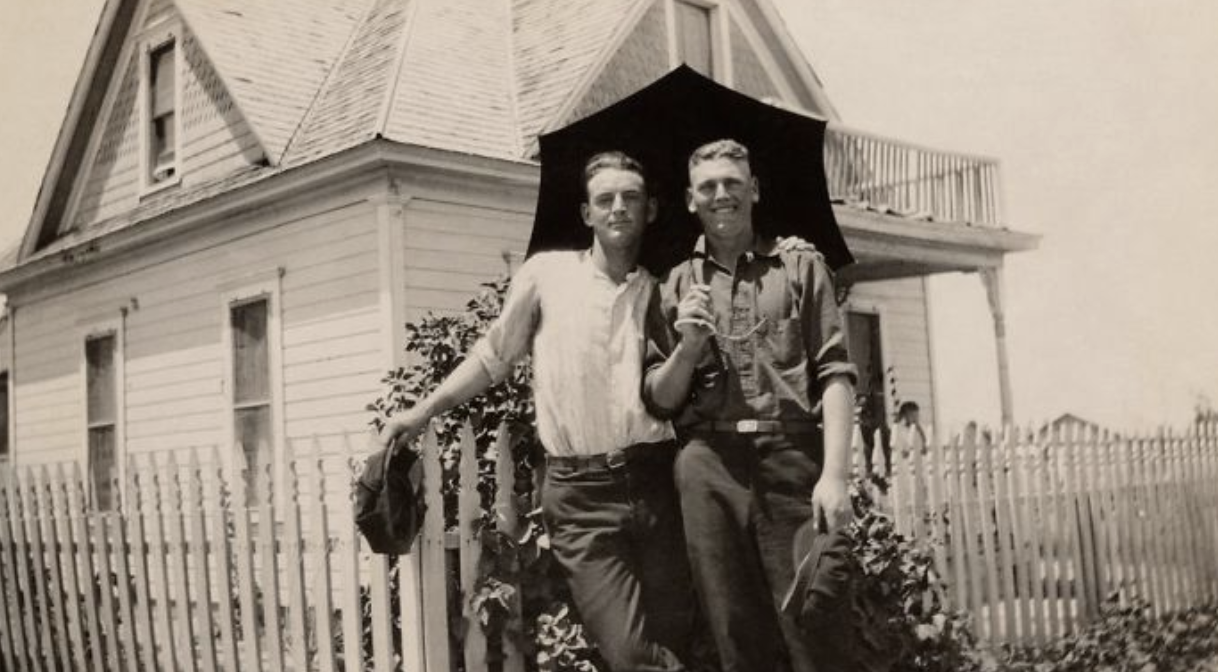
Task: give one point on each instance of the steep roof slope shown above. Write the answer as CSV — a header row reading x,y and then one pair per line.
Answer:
x,y
314,77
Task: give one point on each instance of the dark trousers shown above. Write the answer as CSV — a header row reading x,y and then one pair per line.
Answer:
x,y
742,498
616,533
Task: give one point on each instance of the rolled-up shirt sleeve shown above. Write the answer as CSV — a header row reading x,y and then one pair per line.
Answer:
x,y
822,322
660,341
510,336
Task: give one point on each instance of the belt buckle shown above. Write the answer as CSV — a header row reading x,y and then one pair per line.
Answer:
x,y
615,459
747,426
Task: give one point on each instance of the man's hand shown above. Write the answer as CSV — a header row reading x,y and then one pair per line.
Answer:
x,y
831,503
695,316
794,244
401,429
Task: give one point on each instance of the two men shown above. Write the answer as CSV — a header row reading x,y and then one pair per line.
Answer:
x,y
746,475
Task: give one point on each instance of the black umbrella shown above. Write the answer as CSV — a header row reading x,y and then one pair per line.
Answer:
x,y
661,125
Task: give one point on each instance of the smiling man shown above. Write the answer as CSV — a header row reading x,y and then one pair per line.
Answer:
x,y
758,351
608,500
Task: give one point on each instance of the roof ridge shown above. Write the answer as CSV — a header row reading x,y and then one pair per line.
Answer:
x,y
391,91
329,78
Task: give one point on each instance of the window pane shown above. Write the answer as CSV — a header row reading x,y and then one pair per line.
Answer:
x,y
694,36
163,146
253,438
251,363
160,80
99,358
101,466
4,415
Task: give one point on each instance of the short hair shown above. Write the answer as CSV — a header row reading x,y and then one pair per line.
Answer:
x,y
907,407
719,149
612,159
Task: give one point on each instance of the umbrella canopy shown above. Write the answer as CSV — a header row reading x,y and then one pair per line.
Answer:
x,y
660,126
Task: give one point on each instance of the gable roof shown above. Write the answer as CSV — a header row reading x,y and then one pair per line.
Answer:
x,y
314,77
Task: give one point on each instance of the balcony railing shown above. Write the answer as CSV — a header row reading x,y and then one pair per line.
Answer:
x,y
911,180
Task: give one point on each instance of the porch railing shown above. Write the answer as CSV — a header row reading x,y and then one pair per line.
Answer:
x,y
1031,533
910,180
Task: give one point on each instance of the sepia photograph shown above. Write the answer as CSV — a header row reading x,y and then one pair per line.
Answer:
x,y
608,336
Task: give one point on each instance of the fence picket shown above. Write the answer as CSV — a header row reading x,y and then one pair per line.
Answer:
x,y
956,527
319,535
179,595
469,514
79,504
507,520
1002,469
432,557
12,644
122,572
986,526
108,623
268,555
198,550
215,491
144,633
39,601
294,559
243,544
348,572
45,490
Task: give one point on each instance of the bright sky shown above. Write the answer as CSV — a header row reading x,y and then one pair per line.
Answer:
x,y
1100,111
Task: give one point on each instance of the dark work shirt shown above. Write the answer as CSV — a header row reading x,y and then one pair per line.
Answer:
x,y
779,335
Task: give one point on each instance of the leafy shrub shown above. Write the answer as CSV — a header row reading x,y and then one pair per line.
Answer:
x,y
1128,638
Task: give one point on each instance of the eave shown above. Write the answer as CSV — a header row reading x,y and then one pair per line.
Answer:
x,y
267,189
889,247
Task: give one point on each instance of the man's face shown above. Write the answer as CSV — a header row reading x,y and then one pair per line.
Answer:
x,y
618,209
722,193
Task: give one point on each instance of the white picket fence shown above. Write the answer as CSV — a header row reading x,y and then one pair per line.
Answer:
x,y
1030,533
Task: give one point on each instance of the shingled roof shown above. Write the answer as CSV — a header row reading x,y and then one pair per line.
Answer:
x,y
314,77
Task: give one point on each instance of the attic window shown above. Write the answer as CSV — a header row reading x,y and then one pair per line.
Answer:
x,y
160,133
161,87
695,36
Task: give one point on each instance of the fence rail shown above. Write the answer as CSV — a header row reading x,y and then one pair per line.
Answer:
x,y
1030,532
912,180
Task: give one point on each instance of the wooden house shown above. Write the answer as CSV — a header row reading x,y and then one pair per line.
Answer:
x,y
247,201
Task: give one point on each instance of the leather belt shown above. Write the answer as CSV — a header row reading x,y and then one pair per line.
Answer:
x,y
753,426
614,459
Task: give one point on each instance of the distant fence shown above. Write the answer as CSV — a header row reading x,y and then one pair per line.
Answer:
x,y
1030,532
1033,531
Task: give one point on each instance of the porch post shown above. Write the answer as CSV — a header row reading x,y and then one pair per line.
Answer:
x,y
992,279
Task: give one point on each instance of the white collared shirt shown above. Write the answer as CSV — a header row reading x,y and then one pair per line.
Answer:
x,y
587,340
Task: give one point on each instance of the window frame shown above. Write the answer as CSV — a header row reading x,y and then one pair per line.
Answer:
x,y
151,42
90,331
720,37
262,286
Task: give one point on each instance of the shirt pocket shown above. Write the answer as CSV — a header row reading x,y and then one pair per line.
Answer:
x,y
786,343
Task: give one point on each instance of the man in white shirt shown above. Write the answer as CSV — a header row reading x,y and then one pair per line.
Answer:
x,y
608,500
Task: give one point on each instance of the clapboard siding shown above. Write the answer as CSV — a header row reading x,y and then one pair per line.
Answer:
x,y
174,366
451,250
905,339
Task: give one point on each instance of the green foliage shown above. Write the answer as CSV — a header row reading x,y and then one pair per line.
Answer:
x,y
901,598
516,572
1129,638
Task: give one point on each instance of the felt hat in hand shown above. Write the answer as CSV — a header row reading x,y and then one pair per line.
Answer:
x,y
388,504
